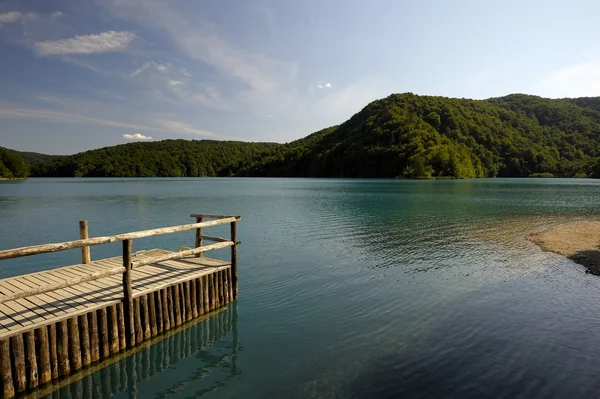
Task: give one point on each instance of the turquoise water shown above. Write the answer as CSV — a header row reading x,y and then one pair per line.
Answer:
x,y
348,288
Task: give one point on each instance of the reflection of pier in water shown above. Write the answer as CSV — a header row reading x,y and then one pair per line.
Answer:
x,y
151,361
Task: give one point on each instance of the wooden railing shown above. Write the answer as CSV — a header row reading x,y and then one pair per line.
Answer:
x,y
128,264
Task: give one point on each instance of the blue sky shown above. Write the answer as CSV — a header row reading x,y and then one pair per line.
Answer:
x,y
76,75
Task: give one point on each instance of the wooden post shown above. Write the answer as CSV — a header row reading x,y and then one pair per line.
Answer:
x,y
18,354
94,338
193,298
114,329
121,326
188,300
74,344
103,331
53,348
145,316
200,292
8,387
206,293
139,332
128,295
43,351
84,337
165,309
152,310
63,348
198,236
31,360
176,304
234,264
83,234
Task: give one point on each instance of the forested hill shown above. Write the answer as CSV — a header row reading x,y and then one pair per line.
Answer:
x,y
12,165
403,135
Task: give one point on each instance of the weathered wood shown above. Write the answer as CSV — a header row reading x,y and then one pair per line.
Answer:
x,y
171,306
145,315
121,326
166,322
214,216
230,285
94,336
113,322
152,311
193,298
206,291
182,254
226,287
188,300
103,332
18,355
42,349
176,305
198,243
234,263
200,293
8,387
139,332
55,247
83,234
128,295
215,239
74,344
84,337
63,284
218,298
31,360
62,341
53,350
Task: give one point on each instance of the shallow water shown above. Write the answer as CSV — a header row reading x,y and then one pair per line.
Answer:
x,y
348,288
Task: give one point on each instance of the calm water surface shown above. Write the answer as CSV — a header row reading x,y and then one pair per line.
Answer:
x,y
348,288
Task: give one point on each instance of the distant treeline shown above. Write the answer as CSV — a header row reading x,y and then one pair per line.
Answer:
x,y
403,135
12,165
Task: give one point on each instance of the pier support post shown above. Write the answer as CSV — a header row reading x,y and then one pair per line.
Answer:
x,y
84,234
128,294
234,263
199,236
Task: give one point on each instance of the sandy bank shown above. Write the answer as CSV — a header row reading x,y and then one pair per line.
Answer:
x,y
579,241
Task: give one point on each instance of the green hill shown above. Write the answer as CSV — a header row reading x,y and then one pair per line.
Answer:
x,y
403,135
12,166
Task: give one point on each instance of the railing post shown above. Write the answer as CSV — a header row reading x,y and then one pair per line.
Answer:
x,y
128,294
234,264
83,234
198,236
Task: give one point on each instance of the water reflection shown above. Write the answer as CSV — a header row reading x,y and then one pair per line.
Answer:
x,y
192,362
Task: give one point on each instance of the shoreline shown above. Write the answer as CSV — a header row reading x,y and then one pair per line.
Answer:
x,y
578,241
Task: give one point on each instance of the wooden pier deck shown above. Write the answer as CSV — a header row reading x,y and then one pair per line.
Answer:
x,y
56,322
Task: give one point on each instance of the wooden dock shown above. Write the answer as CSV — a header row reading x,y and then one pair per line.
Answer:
x,y
57,322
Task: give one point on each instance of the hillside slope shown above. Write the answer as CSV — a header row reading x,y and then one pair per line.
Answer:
x,y
402,135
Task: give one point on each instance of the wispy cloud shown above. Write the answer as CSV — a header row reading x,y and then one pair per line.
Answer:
x,y
175,83
53,116
87,44
576,80
10,17
163,68
184,128
57,14
325,86
136,136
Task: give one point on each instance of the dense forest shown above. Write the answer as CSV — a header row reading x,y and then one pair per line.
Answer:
x,y
403,135
12,165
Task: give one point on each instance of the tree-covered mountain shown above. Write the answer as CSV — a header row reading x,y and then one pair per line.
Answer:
x,y
12,166
403,135
168,158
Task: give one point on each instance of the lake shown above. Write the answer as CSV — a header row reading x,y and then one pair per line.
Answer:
x,y
348,288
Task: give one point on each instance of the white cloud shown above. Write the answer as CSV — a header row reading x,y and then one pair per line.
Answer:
x,y
87,44
136,136
175,83
57,14
163,68
577,80
325,86
184,128
10,17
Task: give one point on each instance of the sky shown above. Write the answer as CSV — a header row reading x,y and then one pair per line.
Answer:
x,y
78,75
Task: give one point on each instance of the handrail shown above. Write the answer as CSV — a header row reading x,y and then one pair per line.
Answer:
x,y
213,216
56,247
181,254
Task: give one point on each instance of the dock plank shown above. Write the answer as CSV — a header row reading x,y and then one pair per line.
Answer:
x,y
41,309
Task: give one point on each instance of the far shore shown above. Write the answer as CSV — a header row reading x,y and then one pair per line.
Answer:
x,y
578,241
